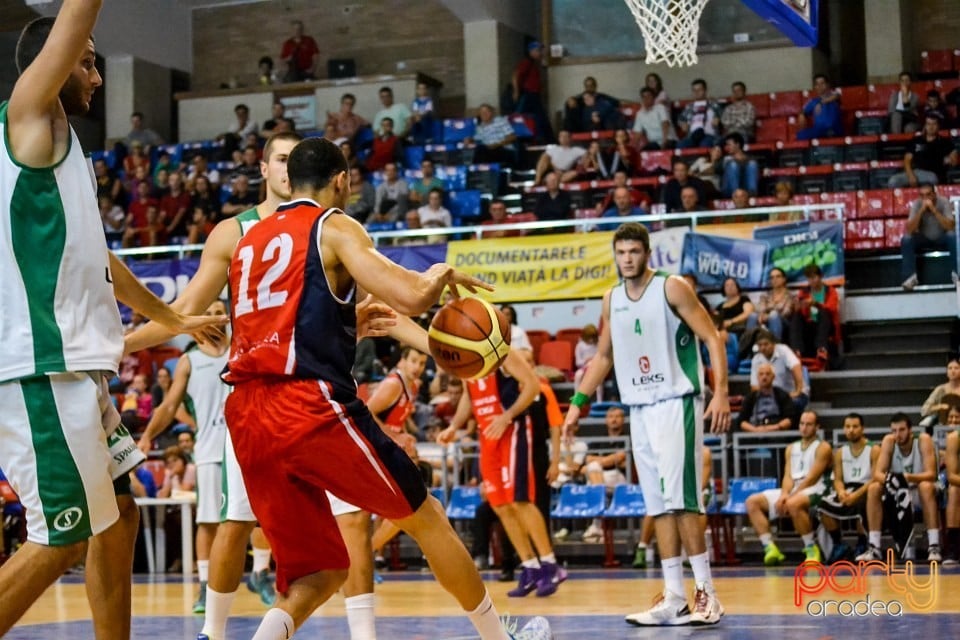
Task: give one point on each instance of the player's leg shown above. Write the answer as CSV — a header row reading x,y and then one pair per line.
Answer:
x,y
641,559
109,568
761,509
931,519
27,574
874,522
209,498
953,526
798,507
354,525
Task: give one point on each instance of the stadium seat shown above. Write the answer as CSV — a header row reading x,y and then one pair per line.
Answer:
x,y
792,153
571,335
855,97
870,122
464,204
773,129
523,125
878,95
938,61
761,104
785,103
653,162
464,501
580,501
538,337
437,492
894,229
626,502
853,176
458,129
599,409
826,151
484,178
453,178
903,199
848,200
558,354
893,146
882,170
413,156
876,203
815,179
721,520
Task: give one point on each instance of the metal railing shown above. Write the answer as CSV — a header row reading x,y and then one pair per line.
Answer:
x,y
775,442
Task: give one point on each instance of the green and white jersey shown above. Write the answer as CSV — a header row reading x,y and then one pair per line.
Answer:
x,y
656,356
247,219
856,469
801,462
206,395
59,310
911,462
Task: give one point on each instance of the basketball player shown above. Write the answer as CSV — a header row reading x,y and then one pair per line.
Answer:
x,y
651,322
196,380
294,416
853,465
499,402
913,457
952,459
805,480
394,400
61,442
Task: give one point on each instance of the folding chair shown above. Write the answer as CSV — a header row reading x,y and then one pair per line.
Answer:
x,y
721,521
626,502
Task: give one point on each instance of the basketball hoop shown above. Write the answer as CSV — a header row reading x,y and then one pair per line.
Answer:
x,y
669,28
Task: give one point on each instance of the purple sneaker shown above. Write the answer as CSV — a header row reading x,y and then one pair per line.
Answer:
x,y
529,580
551,575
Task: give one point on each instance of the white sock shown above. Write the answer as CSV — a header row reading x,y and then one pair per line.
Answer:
x,y
765,539
673,575
261,559
701,571
361,617
532,563
203,570
550,558
641,545
218,610
874,538
807,539
933,536
276,625
486,620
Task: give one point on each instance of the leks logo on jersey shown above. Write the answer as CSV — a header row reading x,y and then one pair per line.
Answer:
x,y
644,364
645,376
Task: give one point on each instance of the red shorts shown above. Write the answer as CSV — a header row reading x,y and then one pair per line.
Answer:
x,y
506,465
293,440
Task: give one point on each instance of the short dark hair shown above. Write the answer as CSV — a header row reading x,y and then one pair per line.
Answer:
x,y
812,269
739,84
700,81
900,416
853,415
735,137
437,191
764,334
632,231
906,73
137,114
352,97
382,120
645,90
313,163
387,89
825,77
241,107
678,160
32,38
173,451
267,60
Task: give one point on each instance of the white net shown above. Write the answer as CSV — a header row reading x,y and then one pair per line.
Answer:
x,y
669,28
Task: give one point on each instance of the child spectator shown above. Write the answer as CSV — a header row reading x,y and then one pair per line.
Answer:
x,y
421,118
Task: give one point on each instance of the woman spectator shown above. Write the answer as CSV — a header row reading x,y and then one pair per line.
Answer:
x,y
135,159
654,82
622,156
137,404
349,154
108,184
589,165
518,337
583,353
783,192
775,306
904,107
204,198
735,308
709,168
934,404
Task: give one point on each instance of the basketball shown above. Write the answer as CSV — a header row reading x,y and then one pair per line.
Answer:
x,y
469,338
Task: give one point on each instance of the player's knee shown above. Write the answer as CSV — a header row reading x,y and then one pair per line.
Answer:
x,y
129,511
926,489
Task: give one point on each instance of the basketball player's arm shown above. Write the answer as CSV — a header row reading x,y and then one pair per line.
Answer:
x,y
33,105
384,396
839,488
517,367
163,414
460,418
596,372
821,462
683,299
929,457
882,466
953,459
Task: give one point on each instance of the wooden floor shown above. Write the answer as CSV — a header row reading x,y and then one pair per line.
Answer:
x,y
759,604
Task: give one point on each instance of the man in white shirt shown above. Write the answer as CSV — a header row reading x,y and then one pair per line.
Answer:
x,y
787,368
651,126
434,214
559,157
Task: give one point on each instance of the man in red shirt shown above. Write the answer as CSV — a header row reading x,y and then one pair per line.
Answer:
x,y
527,88
299,53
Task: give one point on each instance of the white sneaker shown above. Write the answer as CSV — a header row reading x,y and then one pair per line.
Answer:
x,y
561,535
933,554
872,553
706,607
910,283
668,610
537,628
593,534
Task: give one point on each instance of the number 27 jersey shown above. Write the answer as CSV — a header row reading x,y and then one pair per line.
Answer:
x,y
287,323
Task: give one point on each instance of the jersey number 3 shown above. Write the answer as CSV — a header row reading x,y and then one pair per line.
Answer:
x,y
278,251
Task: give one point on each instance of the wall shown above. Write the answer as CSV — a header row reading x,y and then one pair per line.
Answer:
x,y
136,85
885,52
424,36
935,25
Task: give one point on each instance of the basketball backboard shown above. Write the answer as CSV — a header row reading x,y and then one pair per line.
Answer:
x,y
797,19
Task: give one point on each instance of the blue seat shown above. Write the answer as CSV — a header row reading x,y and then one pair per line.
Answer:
x,y
463,504
458,129
464,204
627,502
599,409
581,501
412,156
453,178
437,492
742,488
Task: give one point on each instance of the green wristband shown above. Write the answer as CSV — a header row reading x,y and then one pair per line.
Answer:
x,y
579,399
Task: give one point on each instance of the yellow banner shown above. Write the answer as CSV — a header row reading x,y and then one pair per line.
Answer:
x,y
555,267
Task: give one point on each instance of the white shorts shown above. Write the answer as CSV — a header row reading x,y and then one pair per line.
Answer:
x,y
210,496
772,495
339,507
234,504
53,449
667,440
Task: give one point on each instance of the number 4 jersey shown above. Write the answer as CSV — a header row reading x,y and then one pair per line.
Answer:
x,y
287,323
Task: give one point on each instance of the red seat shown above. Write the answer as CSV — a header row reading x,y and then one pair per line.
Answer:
x,y
938,61
160,355
537,337
785,103
876,203
849,201
557,354
158,469
853,98
772,130
571,335
894,232
761,104
903,199
878,95
656,161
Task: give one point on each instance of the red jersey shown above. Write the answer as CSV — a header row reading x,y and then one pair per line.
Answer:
x,y
286,321
490,396
395,416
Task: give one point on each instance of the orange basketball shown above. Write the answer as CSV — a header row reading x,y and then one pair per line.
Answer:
x,y
469,338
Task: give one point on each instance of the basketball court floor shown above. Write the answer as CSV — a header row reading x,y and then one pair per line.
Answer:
x,y
591,604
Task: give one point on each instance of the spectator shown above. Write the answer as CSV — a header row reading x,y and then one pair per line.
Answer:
x,y
299,55
689,201
392,196
639,198
590,165
930,226
740,199
137,403
623,206
108,184
345,121
622,155
681,178
200,167
607,464
387,147
494,137
934,404
277,122
186,440
739,169
776,306
735,309
560,157
787,369
812,324
739,116
146,137
250,168
583,353
138,219
240,199
573,454
904,107
201,224
699,122
348,153
434,214
265,73
518,337
927,160
577,113
243,124
933,104
398,113
136,159
654,82
766,407
527,88
204,198
553,204
363,196
652,128
821,117
427,183
174,206
113,218
709,169
783,194
422,109
498,215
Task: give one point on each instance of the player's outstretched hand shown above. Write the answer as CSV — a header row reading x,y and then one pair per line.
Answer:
x,y
374,319
449,277
718,412
569,422
145,445
204,329
497,427
447,436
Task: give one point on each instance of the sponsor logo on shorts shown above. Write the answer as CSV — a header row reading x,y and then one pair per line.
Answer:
x,y
68,519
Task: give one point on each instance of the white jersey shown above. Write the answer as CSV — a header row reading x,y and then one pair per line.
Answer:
x,y
907,463
206,395
59,310
801,461
656,356
856,469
